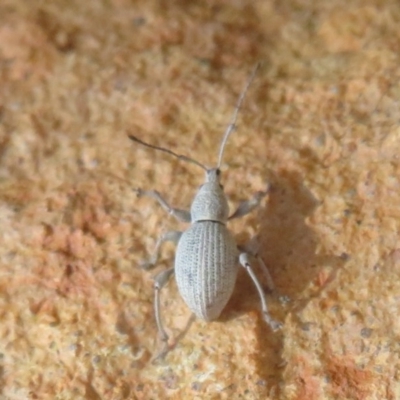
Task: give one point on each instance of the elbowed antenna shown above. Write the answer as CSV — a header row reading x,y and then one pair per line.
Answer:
x,y
231,127
179,156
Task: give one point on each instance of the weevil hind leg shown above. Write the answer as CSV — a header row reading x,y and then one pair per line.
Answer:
x,y
180,215
160,281
251,248
270,282
171,236
167,348
244,262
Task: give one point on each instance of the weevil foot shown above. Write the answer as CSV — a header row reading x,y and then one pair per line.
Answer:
x,y
139,192
165,350
274,325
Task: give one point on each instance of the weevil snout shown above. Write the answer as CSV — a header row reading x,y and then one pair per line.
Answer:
x,y
213,175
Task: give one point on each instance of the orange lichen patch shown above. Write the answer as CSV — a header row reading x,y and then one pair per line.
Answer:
x,y
18,193
325,277
44,306
25,48
80,245
86,208
91,211
78,279
348,380
56,238
308,384
73,243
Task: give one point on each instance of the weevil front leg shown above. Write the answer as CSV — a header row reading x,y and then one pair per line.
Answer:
x,y
244,261
247,206
171,236
180,215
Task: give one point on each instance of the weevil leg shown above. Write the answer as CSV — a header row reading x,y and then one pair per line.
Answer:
x,y
160,281
270,282
252,248
244,261
180,215
245,207
171,236
167,348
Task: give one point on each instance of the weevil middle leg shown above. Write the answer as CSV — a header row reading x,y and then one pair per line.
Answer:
x,y
170,236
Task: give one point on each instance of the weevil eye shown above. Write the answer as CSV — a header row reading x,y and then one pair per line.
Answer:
x,y
218,172
221,187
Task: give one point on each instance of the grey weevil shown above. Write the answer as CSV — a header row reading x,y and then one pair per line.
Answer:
x,y
206,260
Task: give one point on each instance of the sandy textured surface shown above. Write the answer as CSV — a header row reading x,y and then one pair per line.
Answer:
x,y
320,124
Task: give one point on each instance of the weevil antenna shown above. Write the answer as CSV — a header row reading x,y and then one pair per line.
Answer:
x,y
232,126
179,156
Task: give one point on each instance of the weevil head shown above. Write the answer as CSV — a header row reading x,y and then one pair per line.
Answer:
x,y
210,202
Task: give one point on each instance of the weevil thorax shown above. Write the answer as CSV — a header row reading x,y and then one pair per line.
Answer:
x,y
210,202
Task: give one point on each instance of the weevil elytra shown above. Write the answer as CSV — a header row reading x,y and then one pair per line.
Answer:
x,y
207,257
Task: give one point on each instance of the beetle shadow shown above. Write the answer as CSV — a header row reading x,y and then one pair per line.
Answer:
x,y
288,246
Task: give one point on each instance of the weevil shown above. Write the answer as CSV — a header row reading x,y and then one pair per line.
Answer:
x,y
207,257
